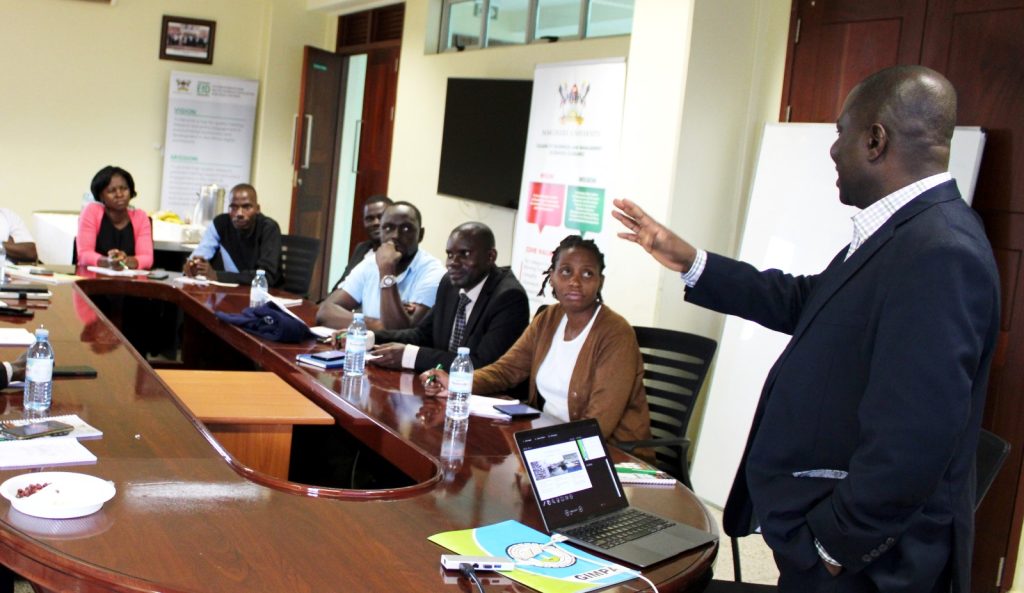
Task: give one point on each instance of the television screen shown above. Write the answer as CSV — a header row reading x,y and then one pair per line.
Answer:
x,y
484,141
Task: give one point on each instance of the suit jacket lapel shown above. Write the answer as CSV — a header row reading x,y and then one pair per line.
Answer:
x,y
481,302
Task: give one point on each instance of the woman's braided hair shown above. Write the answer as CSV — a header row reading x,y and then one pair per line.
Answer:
x,y
572,242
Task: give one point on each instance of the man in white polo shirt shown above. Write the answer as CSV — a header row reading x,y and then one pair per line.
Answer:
x,y
396,288
18,242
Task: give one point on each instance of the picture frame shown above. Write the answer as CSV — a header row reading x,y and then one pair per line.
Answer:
x,y
187,40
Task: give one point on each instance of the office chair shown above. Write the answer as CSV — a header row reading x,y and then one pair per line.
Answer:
x,y
298,259
991,454
675,366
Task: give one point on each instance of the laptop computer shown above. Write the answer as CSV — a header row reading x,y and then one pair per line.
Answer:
x,y
581,498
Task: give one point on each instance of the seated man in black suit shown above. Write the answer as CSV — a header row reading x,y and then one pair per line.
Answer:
x,y
495,312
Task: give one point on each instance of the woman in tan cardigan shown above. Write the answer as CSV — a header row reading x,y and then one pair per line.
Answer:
x,y
579,355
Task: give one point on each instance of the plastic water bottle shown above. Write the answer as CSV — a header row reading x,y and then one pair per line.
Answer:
x,y
460,385
453,447
355,347
259,294
39,373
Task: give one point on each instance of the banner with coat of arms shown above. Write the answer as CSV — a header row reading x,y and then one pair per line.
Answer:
x,y
210,124
571,155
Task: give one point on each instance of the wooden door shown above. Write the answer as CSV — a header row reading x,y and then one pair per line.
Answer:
x,y
378,34
978,45
375,139
315,158
834,45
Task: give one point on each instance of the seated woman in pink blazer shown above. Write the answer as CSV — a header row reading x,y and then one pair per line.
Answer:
x,y
110,234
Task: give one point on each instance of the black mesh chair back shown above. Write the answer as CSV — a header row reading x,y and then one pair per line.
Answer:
x,y
298,259
675,366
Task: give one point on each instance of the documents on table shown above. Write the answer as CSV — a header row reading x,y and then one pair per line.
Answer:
x,y
123,272
637,474
483,406
42,452
16,336
283,302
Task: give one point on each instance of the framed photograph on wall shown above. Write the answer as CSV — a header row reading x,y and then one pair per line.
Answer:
x,y
187,40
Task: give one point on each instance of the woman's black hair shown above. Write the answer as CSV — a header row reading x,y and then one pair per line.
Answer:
x,y
572,242
101,180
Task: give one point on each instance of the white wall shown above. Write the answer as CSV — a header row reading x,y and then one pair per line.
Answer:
x,y
419,119
84,87
692,115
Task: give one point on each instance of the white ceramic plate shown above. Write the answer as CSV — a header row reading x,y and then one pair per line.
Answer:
x,y
67,495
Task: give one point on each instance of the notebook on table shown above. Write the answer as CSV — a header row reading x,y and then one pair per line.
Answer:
x,y
580,497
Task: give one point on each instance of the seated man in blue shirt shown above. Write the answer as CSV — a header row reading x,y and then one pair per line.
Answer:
x,y
397,287
238,243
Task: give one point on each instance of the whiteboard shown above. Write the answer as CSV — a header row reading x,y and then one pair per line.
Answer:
x,y
795,223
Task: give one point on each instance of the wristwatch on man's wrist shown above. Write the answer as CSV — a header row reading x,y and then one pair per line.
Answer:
x,y
387,281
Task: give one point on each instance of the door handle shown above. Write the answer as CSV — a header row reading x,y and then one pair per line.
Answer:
x,y
295,122
308,139
355,145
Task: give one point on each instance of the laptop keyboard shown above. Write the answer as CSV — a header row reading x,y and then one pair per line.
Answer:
x,y
618,529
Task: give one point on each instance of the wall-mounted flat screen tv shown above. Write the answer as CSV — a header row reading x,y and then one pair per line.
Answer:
x,y
484,141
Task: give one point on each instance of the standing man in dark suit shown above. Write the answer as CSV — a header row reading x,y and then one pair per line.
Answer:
x,y
495,313
859,467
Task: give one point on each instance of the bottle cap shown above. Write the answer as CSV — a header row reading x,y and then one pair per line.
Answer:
x,y
42,332
463,351
261,272
357,316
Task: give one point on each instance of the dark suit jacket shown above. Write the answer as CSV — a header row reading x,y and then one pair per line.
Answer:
x,y
498,319
883,380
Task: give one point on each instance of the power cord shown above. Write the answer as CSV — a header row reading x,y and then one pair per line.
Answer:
x,y
469,572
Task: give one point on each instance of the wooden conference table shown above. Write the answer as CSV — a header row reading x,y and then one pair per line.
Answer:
x,y
188,517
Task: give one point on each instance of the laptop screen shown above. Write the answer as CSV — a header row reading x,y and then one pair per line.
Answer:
x,y
572,475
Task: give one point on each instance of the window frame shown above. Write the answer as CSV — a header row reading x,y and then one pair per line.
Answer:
x,y
533,11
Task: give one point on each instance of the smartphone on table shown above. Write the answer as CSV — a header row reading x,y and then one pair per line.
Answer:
x,y
518,411
329,355
45,428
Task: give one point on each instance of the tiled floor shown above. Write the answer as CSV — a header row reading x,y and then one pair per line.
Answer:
x,y
756,562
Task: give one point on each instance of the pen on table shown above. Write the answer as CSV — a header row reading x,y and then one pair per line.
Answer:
x,y
636,470
433,377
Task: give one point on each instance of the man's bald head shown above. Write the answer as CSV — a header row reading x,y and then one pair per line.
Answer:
x,y
917,107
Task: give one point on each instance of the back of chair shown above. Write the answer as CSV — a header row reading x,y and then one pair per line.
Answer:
x,y
298,258
675,366
992,452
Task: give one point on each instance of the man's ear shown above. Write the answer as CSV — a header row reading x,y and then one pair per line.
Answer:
x,y
422,232
878,141
492,256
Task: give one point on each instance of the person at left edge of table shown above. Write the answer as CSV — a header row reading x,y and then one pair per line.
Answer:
x,y
238,243
17,240
111,233
478,305
397,287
